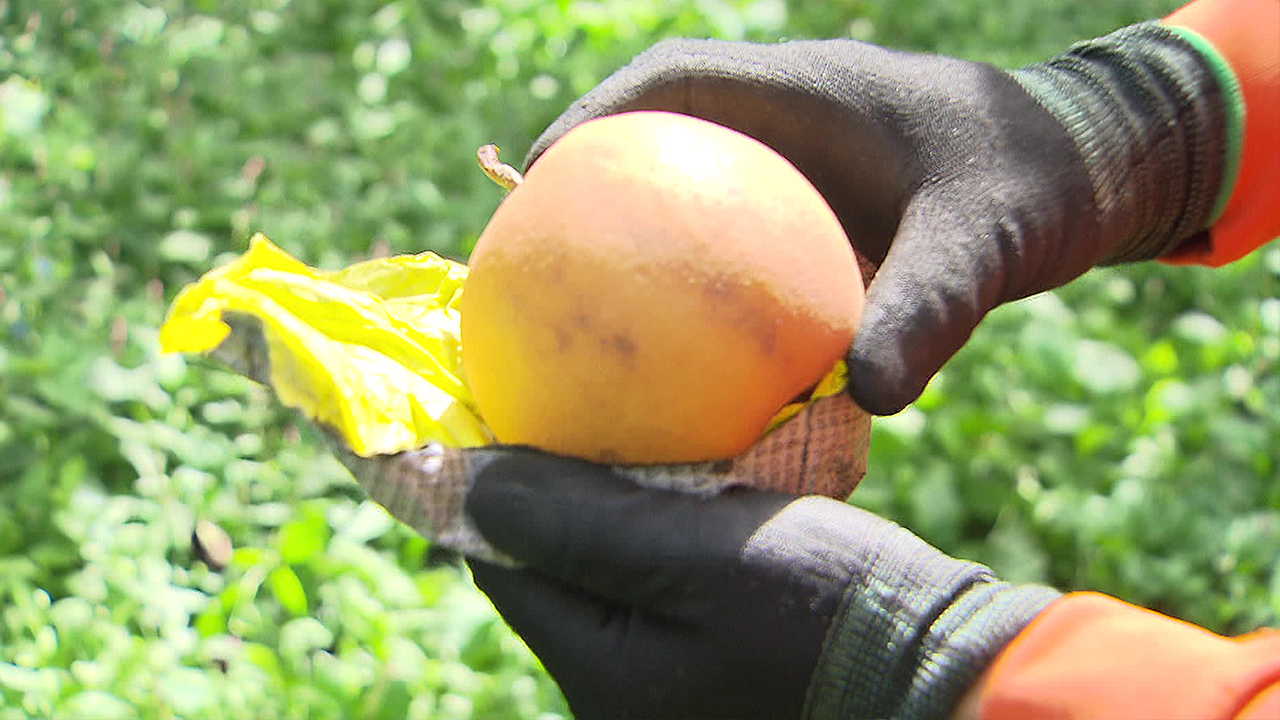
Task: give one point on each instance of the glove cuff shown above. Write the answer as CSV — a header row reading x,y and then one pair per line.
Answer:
x,y
907,657
1157,119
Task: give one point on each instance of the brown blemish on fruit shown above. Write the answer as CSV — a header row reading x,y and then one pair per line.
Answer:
x,y
766,334
564,339
622,346
580,324
567,331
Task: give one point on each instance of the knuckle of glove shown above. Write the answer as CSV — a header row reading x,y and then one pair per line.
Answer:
x,y
718,80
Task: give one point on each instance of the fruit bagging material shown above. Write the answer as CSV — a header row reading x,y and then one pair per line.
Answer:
x,y
371,355
254,317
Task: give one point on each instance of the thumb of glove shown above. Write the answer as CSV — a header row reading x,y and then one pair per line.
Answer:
x,y
947,267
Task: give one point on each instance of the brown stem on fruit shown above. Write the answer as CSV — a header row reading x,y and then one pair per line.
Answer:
x,y
498,171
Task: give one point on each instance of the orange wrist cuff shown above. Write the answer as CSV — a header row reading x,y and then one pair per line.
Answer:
x,y
1092,656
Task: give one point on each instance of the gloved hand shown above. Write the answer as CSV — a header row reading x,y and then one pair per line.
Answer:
x,y
969,186
657,604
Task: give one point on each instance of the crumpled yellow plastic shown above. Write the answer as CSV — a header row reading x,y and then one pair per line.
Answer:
x,y
371,351
832,383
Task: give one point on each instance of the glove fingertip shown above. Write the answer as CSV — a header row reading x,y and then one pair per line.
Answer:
x,y
933,288
879,381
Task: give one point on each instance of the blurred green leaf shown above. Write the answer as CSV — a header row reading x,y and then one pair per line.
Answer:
x,y
185,246
392,701
368,522
190,692
303,538
288,590
1104,368
97,705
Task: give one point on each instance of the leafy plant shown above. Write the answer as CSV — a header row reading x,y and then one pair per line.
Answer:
x,y
1119,435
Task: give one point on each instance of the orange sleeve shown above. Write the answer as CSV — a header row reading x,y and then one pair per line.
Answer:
x,y
1092,656
1246,35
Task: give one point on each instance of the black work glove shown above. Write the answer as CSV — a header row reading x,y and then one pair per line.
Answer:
x,y
656,604
968,185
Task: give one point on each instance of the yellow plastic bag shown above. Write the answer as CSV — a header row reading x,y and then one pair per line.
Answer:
x,y
370,351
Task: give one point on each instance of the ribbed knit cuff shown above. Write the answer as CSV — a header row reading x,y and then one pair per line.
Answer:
x,y
1157,127
909,656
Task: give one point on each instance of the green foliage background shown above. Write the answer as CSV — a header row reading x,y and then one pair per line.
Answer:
x,y
1119,435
